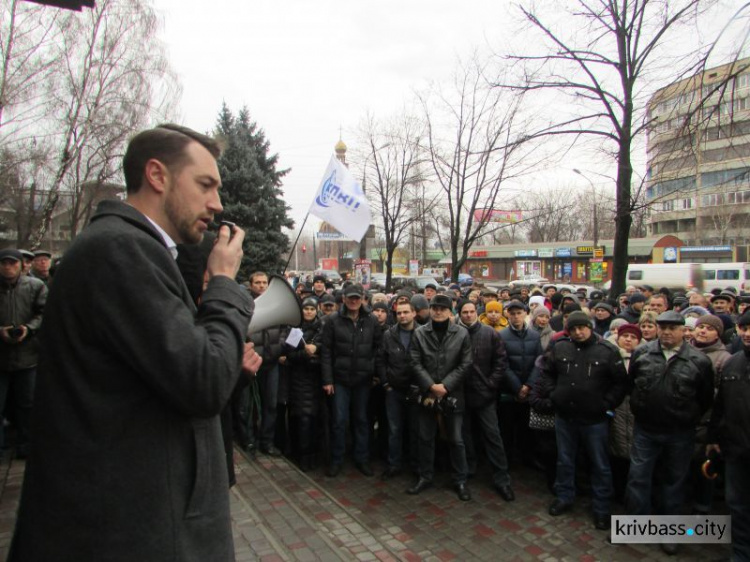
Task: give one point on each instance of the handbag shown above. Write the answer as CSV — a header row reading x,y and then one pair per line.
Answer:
x,y
542,422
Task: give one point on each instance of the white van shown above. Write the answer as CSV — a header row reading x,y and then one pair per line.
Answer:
x,y
671,275
723,275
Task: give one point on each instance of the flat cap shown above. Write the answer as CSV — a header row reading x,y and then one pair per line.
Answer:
x,y
515,304
354,290
442,300
10,254
670,317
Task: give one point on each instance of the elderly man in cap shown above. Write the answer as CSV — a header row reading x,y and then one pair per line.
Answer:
x,y
723,303
584,379
672,387
40,265
350,358
22,300
440,356
430,290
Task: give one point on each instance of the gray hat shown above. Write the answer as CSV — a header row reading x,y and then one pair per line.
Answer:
x,y
442,300
605,306
724,295
419,302
578,318
310,301
636,298
515,304
670,317
327,299
11,254
45,253
354,290
431,286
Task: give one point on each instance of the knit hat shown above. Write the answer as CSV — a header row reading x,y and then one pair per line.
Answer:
x,y
578,318
713,321
536,300
691,322
744,320
380,305
636,298
630,329
493,306
539,311
310,301
419,302
556,299
699,310
605,306
571,308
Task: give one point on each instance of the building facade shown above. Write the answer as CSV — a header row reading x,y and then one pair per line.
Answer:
x,y
699,158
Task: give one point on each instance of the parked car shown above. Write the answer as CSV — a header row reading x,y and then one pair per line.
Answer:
x,y
419,281
331,275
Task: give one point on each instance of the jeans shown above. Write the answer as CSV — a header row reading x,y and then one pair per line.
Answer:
x,y
346,398
595,438
737,477
269,394
493,443
401,416
22,384
428,424
675,450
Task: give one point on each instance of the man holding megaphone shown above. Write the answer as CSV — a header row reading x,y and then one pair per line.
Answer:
x,y
126,455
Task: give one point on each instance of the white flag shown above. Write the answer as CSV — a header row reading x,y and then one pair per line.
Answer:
x,y
341,202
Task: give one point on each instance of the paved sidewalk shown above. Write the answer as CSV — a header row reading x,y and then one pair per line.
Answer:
x,y
282,514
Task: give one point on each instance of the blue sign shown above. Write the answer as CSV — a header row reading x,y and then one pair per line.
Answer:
x,y
568,269
562,253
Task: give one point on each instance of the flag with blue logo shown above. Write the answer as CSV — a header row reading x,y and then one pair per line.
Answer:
x,y
341,202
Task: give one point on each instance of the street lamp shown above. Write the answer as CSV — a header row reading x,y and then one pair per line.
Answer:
x,y
593,191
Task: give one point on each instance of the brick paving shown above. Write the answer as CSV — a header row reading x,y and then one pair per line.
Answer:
x,y
281,514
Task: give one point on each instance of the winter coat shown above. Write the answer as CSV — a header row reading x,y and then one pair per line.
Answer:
x,y
305,386
396,360
488,369
127,460
718,354
670,396
21,304
583,379
350,351
621,428
730,419
502,322
630,314
522,348
445,362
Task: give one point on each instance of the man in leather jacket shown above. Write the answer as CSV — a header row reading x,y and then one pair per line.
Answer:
x,y
672,387
440,356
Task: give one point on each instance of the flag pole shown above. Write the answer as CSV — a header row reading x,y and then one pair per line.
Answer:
x,y
294,246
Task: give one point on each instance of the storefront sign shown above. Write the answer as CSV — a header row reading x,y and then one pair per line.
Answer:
x,y
525,253
545,252
562,252
697,249
478,254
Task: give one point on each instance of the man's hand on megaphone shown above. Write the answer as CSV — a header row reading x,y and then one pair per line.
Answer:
x,y
226,256
251,361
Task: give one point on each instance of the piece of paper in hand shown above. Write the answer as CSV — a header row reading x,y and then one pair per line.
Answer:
x,y
295,336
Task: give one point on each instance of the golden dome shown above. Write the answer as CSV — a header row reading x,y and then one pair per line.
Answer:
x,y
340,146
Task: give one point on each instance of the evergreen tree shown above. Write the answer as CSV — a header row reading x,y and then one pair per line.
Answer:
x,y
251,192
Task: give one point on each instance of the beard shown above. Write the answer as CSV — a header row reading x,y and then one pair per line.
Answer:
x,y
182,220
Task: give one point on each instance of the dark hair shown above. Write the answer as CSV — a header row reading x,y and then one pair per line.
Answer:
x,y
405,304
165,143
257,274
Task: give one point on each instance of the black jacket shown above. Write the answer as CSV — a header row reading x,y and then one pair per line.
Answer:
x,y
304,381
581,380
730,419
670,396
522,348
350,352
445,362
629,314
21,304
398,371
489,366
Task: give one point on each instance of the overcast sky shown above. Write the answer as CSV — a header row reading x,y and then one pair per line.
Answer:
x,y
304,69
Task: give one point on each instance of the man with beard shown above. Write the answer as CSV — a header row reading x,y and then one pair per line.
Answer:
x,y
125,429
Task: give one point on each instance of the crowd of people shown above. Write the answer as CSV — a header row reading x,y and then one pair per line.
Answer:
x,y
626,396
131,372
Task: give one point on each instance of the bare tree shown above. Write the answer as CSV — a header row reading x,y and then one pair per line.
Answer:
x,y
476,142
600,59
74,87
393,178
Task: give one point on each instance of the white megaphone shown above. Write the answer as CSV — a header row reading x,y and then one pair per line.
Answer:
x,y
279,305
